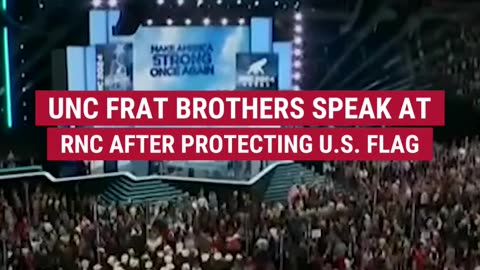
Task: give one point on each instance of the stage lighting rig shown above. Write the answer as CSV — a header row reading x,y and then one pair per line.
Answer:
x,y
297,50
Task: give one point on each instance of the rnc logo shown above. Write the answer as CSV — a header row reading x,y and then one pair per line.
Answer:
x,y
257,71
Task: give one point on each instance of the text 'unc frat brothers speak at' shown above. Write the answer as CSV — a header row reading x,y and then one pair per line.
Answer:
x,y
240,125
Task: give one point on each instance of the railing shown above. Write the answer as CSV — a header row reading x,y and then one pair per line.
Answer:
x,y
24,169
129,175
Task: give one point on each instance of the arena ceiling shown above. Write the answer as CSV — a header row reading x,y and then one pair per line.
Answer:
x,y
390,45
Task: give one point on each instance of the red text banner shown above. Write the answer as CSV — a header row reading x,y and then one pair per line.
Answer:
x,y
240,108
240,144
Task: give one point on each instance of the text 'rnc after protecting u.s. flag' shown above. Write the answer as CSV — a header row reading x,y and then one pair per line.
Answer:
x,y
227,125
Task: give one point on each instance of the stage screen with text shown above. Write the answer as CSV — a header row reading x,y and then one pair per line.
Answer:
x,y
188,57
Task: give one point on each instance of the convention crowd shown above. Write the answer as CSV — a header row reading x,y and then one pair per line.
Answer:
x,y
395,215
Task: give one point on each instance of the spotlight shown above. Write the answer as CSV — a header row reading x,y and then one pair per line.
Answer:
x,y
96,3
297,64
297,40
276,3
149,22
160,2
21,46
256,3
239,2
219,2
169,21
188,21
206,21
41,5
199,3
298,29
241,21
297,52
180,2
298,16
24,89
112,3
224,21
297,76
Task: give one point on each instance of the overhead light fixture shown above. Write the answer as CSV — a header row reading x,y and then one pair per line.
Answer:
x,y
298,16
297,40
96,3
297,52
297,76
297,64
112,3
298,29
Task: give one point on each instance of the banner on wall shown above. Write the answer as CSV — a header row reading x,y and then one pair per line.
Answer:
x,y
188,57
114,66
257,71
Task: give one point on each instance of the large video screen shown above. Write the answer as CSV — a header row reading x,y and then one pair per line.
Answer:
x,y
182,58
114,66
188,58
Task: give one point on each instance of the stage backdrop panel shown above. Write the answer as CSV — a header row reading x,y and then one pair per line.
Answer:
x,y
257,71
114,66
188,57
